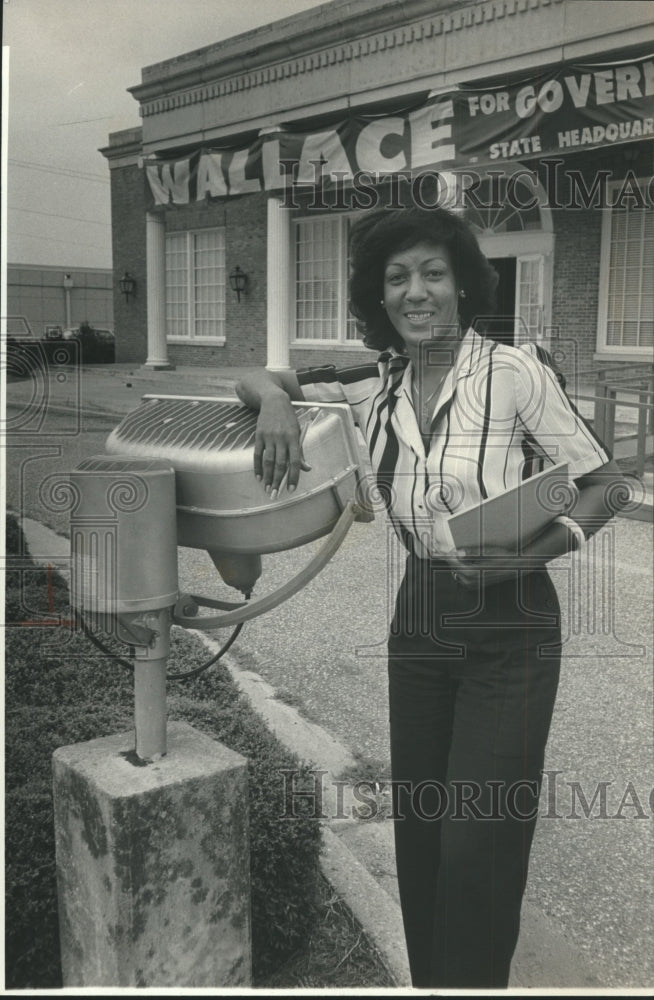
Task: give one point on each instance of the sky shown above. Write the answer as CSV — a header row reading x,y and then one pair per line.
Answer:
x,y
70,64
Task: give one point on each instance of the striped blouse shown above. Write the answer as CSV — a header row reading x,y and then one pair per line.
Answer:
x,y
500,416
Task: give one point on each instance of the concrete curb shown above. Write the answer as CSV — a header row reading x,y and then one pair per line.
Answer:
x,y
310,742
379,916
543,953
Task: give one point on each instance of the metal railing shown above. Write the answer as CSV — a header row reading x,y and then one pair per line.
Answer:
x,y
623,413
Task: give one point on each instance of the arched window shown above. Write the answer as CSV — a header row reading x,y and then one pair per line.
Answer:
x,y
507,210
502,204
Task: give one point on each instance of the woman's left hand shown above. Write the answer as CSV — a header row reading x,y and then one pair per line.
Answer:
x,y
600,495
472,569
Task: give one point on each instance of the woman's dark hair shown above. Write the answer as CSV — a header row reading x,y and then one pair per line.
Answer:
x,y
378,235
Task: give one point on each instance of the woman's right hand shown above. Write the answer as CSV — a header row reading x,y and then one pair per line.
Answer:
x,y
277,447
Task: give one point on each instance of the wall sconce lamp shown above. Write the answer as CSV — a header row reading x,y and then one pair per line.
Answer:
x,y
238,280
127,285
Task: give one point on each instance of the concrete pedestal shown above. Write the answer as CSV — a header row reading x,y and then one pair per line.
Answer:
x,y
153,863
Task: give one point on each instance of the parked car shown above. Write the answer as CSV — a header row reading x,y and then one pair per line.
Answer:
x,y
53,332
19,329
97,345
24,352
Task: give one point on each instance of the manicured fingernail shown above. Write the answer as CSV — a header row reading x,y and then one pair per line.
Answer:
x,y
258,478
268,488
273,495
291,489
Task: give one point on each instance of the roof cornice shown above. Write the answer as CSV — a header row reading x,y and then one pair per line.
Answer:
x,y
309,40
347,53
125,147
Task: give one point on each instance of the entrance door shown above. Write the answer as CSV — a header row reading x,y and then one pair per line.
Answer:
x,y
529,297
519,242
502,326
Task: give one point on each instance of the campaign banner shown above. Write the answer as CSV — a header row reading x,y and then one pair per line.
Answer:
x,y
561,111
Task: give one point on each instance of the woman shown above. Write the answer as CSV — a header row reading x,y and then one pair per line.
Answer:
x,y
450,418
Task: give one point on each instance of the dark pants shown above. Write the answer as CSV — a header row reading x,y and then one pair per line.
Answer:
x,y
471,702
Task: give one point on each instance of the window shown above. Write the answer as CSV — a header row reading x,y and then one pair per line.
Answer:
x,y
321,266
500,204
626,319
195,285
529,292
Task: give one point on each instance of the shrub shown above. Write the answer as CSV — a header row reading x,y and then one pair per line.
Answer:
x,y
96,346
58,693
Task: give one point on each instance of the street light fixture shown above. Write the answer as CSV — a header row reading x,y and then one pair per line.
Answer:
x,y
238,280
127,285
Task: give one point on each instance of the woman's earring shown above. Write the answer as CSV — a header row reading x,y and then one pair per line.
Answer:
x,y
382,303
462,294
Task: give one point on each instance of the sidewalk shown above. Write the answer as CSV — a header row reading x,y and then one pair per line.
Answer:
x,y
116,389
358,854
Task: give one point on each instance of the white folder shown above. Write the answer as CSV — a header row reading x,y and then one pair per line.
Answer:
x,y
511,519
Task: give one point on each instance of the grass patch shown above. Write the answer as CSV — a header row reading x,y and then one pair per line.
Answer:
x,y
60,690
336,955
365,768
287,697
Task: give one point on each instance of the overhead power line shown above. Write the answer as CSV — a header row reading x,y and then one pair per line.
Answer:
x,y
55,215
82,121
52,239
63,171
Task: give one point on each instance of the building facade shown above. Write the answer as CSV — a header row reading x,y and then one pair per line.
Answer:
x,y
48,297
533,118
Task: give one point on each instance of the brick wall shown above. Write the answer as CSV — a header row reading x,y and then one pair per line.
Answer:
x,y
578,238
245,222
575,277
576,283
128,247
244,219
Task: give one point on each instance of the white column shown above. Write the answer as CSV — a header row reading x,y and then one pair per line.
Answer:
x,y
280,272
155,250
